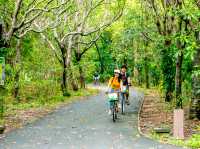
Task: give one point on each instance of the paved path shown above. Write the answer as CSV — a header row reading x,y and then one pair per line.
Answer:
x,y
83,125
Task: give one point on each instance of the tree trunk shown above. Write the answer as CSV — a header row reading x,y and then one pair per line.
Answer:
x,y
100,59
81,73
82,78
146,67
11,31
73,80
64,81
66,56
179,80
18,70
140,76
64,78
78,56
64,74
1,35
181,46
195,103
168,71
74,85
165,28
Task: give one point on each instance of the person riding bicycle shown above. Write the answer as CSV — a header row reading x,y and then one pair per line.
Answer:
x,y
124,76
114,85
96,78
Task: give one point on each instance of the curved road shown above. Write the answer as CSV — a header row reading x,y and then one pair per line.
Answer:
x,y
83,125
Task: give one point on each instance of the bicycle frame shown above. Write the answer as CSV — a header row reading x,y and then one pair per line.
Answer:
x,y
123,95
114,98
114,109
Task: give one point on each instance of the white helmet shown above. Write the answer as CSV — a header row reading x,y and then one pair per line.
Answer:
x,y
116,71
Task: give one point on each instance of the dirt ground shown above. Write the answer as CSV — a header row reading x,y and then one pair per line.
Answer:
x,y
156,113
24,117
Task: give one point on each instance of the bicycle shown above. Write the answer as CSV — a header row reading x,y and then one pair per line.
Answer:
x,y
96,81
113,99
123,99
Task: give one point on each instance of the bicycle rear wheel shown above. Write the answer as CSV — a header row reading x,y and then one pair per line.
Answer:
x,y
113,114
123,103
114,111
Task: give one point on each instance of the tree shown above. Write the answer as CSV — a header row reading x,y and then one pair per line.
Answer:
x,y
195,102
76,33
23,13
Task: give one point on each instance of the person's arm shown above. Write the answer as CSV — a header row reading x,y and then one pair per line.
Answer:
x,y
121,85
129,79
109,85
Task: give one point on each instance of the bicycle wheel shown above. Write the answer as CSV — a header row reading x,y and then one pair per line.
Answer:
x,y
116,110
123,103
113,114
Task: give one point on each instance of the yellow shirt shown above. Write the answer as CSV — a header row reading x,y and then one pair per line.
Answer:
x,y
114,83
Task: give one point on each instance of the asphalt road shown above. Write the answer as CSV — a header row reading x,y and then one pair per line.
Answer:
x,y
84,124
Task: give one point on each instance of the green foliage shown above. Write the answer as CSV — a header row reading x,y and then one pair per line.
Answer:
x,y
49,101
168,68
193,142
155,74
133,40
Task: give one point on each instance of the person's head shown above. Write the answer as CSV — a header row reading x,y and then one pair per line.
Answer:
x,y
123,68
116,72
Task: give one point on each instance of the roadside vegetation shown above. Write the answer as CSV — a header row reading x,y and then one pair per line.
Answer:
x,y
52,48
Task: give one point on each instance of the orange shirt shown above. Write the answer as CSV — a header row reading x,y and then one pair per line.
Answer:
x,y
114,83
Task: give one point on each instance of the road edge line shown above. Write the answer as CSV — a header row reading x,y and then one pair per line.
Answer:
x,y
139,113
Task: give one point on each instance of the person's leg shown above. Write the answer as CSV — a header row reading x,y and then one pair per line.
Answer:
x,y
110,103
119,100
110,107
127,96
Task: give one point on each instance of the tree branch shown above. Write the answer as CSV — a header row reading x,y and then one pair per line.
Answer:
x,y
14,20
51,46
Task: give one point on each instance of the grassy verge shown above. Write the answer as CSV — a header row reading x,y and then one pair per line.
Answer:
x,y
191,142
192,139
49,102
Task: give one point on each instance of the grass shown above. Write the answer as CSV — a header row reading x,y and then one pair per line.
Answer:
x,y
35,104
192,142
40,104
48,102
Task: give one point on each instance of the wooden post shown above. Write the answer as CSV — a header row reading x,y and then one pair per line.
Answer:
x,y
178,126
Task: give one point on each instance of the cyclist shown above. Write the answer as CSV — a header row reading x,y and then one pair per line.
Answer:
x,y
124,76
114,84
96,78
